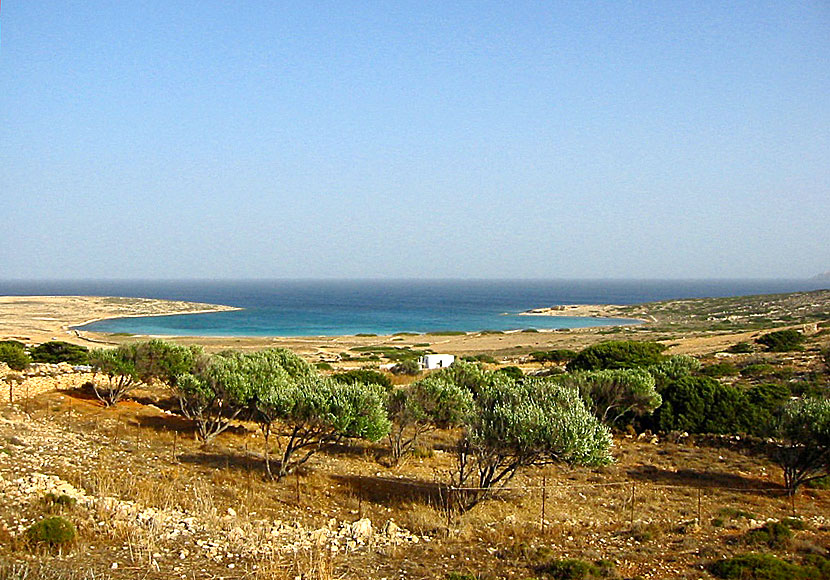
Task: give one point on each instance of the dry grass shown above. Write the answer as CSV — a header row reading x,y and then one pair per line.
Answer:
x,y
138,453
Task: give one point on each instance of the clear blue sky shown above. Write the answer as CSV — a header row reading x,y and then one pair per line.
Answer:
x,y
168,139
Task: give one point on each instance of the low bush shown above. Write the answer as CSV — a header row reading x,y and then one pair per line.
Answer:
x,y
575,569
820,483
782,340
53,531
57,351
740,348
755,370
513,372
771,534
485,358
767,567
364,376
721,369
407,367
617,354
13,354
561,355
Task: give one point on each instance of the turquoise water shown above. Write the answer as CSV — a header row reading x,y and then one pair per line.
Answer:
x,y
315,307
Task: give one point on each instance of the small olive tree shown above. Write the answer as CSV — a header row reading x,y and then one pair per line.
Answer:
x,y
612,394
802,441
311,411
433,402
515,425
316,412
213,393
119,368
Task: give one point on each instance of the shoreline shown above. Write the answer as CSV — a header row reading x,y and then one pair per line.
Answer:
x,y
584,311
219,308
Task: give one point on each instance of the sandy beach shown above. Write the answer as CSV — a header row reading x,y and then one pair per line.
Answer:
x,y
35,319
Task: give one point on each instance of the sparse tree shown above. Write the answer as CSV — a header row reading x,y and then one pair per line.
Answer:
x,y
515,425
433,402
802,435
214,393
118,365
316,412
612,394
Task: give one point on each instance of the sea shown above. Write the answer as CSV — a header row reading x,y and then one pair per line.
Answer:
x,y
343,307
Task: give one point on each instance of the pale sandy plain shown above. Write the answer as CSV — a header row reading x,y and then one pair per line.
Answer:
x,y
36,319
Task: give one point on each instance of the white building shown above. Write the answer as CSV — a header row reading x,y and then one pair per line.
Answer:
x,y
436,361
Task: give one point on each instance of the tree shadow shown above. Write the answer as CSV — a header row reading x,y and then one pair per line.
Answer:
x,y
225,459
395,491
702,479
165,423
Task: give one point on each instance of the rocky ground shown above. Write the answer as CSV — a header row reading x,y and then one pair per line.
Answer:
x,y
150,502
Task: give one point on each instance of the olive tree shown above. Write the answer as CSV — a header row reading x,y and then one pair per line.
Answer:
x,y
612,394
316,411
434,402
118,366
802,441
213,393
164,361
515,425
312,411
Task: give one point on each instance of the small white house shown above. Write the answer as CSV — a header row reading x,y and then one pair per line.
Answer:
x,y
436,361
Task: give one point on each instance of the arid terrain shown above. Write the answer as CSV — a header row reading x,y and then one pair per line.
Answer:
x,y
149,501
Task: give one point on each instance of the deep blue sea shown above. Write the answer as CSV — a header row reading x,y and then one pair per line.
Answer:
x,y
328,307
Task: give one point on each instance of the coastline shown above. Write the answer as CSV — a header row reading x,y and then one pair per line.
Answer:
x,y
218,308
584,311
43,318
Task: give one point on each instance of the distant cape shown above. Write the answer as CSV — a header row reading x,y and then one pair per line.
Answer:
x,y
823,277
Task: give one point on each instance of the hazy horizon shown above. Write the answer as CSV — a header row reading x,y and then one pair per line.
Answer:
x,y
477,140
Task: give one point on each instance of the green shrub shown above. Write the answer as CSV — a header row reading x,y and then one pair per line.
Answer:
x,y
736,513
53,531
762,567
513,372
782,340
617,354
574,569
561,355
772,534
323,366
740,348
755,370
485,358
794,523
721,369
446,333
57,351
701,405
13,354
364,376
406,367
820,483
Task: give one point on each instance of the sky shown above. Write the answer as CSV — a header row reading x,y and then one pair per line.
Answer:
x,y
170,139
